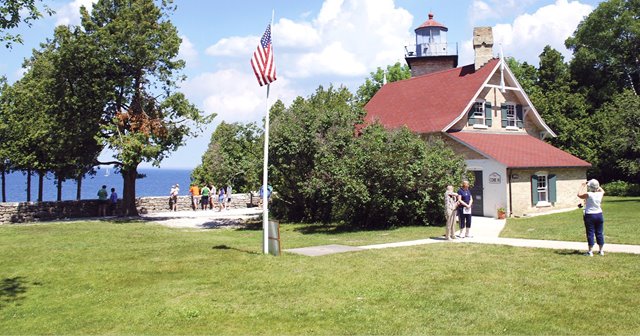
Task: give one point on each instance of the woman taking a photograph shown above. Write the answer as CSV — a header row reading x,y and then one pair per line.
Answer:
x,y
593,219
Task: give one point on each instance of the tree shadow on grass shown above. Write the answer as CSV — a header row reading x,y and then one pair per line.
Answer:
x,y
331,229
13,290
569,252
227,247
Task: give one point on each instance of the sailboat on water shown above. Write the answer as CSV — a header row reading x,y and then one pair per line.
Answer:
x,y
106,173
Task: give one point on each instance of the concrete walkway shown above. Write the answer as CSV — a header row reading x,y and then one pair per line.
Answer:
x,y
484,231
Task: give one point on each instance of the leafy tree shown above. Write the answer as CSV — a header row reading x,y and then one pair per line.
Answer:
x,y
564,110
306,141
605,50
372,84
14,12
234,157
619,123
323,172
144,118
527,76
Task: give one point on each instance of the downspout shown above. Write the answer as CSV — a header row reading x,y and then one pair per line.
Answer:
x,y
510,199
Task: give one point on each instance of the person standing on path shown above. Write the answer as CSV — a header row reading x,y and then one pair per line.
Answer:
x,y
195,196
464,209
113,201
228,195
450,205
205,197
221,199
175,190
103,200
593,218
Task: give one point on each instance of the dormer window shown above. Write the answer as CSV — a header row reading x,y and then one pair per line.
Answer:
x,y
480,114
512,116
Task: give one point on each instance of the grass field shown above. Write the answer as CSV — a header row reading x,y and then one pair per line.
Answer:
x,y
135,278
621,218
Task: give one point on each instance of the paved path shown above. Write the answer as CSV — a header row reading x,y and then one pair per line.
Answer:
x,y
203,219
484,231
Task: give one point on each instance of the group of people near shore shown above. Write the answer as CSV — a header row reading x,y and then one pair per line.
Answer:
x,y
107,201
207,197
459,205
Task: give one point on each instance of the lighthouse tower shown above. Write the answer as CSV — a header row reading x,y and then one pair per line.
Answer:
x,y
431,52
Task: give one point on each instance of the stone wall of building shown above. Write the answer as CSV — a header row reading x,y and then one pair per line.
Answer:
x,y
26,212
568,182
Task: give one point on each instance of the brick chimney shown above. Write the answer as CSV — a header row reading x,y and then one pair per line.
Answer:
x,y
482,45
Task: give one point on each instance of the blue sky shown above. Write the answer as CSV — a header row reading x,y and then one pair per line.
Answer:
x,y
317,43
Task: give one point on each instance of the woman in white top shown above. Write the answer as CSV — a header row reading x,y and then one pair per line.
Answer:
x,y
593,219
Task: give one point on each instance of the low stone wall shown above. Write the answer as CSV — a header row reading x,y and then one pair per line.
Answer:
x,y
25,212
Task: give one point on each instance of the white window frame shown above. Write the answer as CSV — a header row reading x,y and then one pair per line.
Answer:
x,y
512,117
543,189
478,114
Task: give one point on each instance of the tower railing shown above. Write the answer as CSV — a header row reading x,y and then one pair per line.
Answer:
x,y
431,49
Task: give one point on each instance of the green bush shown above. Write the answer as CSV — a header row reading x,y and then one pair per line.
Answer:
x,y
382,178
621,188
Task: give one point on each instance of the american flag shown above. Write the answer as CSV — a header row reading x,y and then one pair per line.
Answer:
x,y
262,60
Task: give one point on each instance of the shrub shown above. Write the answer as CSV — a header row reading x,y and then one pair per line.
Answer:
x,y
382,178
622,188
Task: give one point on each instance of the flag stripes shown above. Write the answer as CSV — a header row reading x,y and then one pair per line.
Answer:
x,y
262,61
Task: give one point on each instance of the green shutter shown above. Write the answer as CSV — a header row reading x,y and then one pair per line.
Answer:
x,y
534,189
472,120
503,110
488,113
551,185
519,116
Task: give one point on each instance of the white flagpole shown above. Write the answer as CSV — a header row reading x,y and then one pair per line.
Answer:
x,y
265,175
501,70
265,166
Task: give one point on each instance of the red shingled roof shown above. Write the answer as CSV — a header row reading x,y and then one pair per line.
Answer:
x,y
428,103
431,23
518,150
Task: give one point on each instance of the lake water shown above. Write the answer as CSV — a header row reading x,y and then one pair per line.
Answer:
x,y
158,182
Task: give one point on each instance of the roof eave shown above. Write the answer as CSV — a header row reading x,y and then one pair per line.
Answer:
x,y
463,113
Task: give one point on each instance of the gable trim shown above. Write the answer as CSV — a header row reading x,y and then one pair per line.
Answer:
x,y
532,108
472,100
517,88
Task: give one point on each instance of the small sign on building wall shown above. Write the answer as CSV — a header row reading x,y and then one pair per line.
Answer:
x,y
494,178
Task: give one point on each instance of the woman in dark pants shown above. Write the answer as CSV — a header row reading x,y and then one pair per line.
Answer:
x,y
593,219
464,209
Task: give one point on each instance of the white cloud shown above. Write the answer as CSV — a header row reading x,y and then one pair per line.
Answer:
x,y
70,13
188,51
294,34
347,38
333,59
527,36
491,9
233,46
234,95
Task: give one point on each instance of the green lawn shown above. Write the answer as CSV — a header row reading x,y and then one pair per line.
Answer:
x,y
135,278
621,216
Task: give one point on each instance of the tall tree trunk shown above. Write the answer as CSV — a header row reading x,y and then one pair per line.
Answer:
x,y
4,189
129,176
28,185
40,185
59,190
79,187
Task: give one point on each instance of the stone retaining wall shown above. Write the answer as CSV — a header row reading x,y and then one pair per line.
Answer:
x,y
25,212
